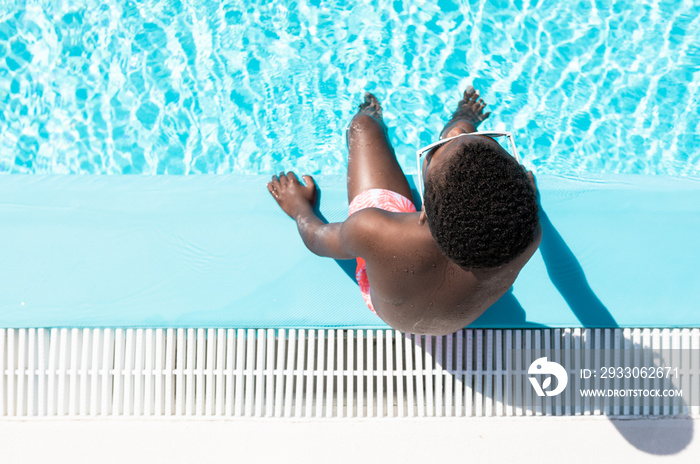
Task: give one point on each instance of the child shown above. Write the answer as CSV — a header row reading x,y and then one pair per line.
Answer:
x,y
435,271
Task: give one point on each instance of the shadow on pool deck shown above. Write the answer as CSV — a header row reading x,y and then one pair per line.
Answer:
x,y
568,277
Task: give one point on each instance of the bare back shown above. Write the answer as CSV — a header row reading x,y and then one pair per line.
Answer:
x,y
414,287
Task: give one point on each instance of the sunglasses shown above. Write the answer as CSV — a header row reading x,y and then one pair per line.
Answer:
x,y
420,153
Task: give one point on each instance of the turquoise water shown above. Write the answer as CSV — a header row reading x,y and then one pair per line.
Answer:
x,y
171,87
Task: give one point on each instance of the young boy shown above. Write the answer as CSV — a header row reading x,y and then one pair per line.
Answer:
x,y
435,271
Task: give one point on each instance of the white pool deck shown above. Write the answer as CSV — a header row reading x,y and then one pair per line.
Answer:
x,y
591,439
200,395
224,373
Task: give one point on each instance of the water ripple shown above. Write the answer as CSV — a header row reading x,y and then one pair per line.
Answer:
x,y
186,87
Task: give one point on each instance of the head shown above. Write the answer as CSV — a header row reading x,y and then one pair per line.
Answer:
x,y
480,203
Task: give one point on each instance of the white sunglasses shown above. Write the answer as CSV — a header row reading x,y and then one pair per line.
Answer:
x,y
424,150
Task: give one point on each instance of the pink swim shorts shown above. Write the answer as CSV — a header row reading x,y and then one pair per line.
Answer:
x,y
388,201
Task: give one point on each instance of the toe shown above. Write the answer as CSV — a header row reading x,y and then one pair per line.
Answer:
x,y
371,99
371,106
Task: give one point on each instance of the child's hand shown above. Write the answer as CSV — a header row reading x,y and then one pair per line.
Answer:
x,y
291,195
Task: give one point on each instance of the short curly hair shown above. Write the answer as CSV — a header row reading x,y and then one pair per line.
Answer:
x,y
481,207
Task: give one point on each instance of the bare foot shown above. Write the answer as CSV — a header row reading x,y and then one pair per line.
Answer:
x,y
469,110
371,107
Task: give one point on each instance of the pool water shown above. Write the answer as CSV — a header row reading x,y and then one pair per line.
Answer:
x,y
249,87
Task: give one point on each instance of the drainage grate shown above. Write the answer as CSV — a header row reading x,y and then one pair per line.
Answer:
x,y
305,373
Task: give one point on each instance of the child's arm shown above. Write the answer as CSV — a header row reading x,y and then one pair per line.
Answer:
x,y
297,201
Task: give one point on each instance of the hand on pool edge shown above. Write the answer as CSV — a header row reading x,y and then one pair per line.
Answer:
x,y
291,195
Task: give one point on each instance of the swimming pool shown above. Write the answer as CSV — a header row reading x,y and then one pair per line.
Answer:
x,y
170,87
121,296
